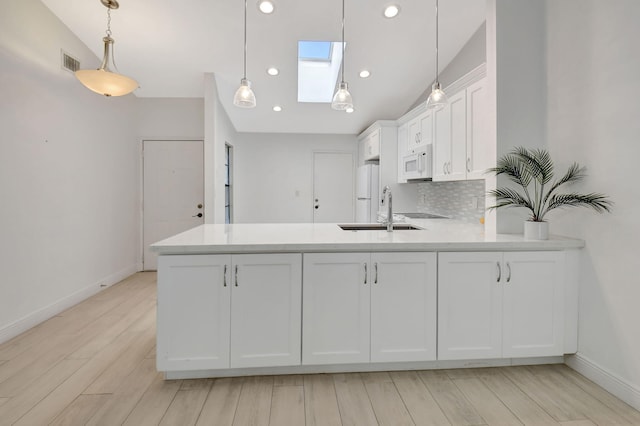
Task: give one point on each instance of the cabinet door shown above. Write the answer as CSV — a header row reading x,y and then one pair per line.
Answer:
x,y
266,310
402,151
336,308
533,304
193,312
403,307
442,143
458,142
426,129
469,305
373,146
479,152
413,130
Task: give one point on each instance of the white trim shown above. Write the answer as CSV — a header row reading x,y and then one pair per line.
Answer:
x,y
613,383
342,368
31,320
466,80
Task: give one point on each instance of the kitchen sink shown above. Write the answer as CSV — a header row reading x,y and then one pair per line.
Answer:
x,y
422,216
377,227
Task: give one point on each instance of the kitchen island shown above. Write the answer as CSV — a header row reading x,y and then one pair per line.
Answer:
x,y
297,298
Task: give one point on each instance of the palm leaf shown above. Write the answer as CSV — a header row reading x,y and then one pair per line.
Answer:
x,y
507,197
538,163
514,169
597,202
574,174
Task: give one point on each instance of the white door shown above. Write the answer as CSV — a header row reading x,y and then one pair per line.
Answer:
x,y
266,310
533,304
458,157
194,297
469,305
173,193
403,307
333,187
336,308
478,145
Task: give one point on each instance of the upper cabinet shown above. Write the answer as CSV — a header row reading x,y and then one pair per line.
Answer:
x,y
420,132
371,146
461,148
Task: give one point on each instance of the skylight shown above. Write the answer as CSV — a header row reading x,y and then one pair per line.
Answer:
x,y
319,65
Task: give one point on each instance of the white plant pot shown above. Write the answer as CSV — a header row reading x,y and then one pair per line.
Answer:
x,y
536,230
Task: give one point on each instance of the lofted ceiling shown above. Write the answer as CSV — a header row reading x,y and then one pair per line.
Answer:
x,y
167,46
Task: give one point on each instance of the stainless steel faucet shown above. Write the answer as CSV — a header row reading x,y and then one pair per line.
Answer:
x,y
386,198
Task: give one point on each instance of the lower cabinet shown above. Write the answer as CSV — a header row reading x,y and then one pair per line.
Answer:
x,y
228,311
500,305
369,307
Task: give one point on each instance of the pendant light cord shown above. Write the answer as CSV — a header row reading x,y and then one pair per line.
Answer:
x,y
437,82
245,39
343,41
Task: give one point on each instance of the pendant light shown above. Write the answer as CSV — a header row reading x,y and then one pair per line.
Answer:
x,y
342,98
244,97
437,98
103,80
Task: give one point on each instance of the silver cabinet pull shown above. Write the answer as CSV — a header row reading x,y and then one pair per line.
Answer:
x,y
468,164
225,276
508,272
444,168
375,267
499,272
236,275
365,273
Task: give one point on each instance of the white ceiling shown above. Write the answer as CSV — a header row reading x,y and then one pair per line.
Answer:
x,y
167,46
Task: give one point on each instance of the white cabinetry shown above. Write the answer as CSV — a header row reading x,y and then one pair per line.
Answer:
x,y
370,146
461,146
493,305
402,151
221,311
369,307
420,132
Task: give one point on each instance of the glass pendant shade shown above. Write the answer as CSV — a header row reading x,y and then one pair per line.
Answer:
x,y
244,97
437,98
103,80
342,98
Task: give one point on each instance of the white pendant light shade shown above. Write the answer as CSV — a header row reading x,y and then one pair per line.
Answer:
x,y
437,98
103,80
244,97
342,98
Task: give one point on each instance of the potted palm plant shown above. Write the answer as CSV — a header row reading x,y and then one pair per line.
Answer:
x,y
533,171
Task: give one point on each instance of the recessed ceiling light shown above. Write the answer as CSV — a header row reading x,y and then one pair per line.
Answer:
x,y
277,108
391,11
266,6
273,71
349,110
364,74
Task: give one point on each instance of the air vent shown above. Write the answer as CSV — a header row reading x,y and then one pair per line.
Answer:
x,y
69,63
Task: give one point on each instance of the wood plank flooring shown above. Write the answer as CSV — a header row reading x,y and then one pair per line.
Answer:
x,y
94,364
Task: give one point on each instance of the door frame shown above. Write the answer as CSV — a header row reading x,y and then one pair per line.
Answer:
x,y
354,160
140,200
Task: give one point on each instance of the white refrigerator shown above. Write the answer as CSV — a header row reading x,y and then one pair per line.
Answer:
x,y
367,190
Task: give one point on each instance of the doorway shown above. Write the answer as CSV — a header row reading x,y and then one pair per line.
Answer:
x,y
333,193
173,191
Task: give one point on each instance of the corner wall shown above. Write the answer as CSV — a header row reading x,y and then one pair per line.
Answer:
x,y
68,174
593,91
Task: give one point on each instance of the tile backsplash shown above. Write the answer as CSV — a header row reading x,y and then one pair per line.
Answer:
x,y
461,200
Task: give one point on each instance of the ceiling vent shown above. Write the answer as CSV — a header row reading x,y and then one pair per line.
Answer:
x,y
69,63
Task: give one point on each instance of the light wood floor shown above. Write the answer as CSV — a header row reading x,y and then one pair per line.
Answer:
x,y
94,364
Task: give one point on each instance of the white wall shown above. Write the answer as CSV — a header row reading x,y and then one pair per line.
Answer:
x,y
171,118
68,173
273,174
594,86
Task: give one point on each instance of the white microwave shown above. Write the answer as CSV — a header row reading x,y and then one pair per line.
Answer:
x,y
419,165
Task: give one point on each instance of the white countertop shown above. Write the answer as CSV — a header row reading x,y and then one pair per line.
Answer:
x,y
437,235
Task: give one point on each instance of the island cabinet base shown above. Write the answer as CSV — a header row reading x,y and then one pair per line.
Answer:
x,y
361,368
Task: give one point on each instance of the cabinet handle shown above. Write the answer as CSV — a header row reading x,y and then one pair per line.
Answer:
x,y
225,276
236,275
365,273
499,272
444,168
375,266
508,272
468,164
449,166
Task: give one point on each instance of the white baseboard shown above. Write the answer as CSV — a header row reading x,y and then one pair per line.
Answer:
x,y
23,324
619,387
